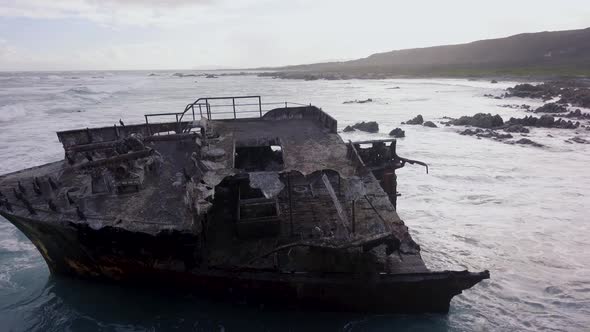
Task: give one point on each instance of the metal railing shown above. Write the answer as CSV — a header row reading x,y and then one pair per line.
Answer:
x,y
209,106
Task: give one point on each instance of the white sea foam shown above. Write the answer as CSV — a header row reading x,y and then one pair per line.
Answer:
x,y
12,112
80,90
484,205
16,253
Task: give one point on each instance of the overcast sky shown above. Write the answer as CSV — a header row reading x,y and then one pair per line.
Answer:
x,y
169,34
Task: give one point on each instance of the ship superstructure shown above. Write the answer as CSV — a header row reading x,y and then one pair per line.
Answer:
x,y
234,201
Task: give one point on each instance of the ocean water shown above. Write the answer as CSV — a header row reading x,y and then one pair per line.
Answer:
x,y
519,211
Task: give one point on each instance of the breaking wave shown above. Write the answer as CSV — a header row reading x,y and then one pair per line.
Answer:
x,y
81,90
87,94
12,112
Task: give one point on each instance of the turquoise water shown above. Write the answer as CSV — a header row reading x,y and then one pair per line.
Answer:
x,y
520,212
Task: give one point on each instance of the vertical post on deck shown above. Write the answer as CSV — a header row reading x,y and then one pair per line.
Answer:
x,y
353,217
394,190
393,153
200,110
260,105
147,126
285,104
193,108
290,203
233,101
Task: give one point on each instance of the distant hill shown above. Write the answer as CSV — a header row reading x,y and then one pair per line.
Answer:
x,y
565,53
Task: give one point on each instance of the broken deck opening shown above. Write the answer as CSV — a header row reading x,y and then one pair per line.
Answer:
x,y
264,155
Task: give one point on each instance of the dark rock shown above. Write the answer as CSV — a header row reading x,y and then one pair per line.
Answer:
x,y
397,133
499,136
573,92
579,140
469,132
540,91
184,75
430,124
516,106
545,121
480,120
551,108
516,129
418,120
348,129
526,141
487,133
369,100
371,126
577,114
494,82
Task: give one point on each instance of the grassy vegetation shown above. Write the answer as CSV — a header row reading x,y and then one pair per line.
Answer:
x,y
562,71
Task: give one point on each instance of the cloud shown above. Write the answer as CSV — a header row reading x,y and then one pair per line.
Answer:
x,y
147,55
108,12
13,58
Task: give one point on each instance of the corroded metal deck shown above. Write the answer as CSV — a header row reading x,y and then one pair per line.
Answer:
x,y
188,200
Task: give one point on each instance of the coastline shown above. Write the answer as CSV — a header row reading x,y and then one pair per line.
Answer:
x,y
483,75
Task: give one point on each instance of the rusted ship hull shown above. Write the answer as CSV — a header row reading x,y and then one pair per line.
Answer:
x,y
110,254
274,208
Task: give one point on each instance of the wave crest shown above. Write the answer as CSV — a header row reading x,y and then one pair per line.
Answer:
x,y
12,112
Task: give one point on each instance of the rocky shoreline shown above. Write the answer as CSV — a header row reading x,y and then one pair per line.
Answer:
x,y
559,96
573,92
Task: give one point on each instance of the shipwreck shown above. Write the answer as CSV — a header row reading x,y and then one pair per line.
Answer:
x,y
231,200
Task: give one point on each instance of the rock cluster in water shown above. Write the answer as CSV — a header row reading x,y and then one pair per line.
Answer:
x,y
184,75
551,108
370,127
516,106
516,128
575,93
485,133
487,126
397,133
578,140
418,120
577,114
545,121
488,121
480,120
368,100
526,141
